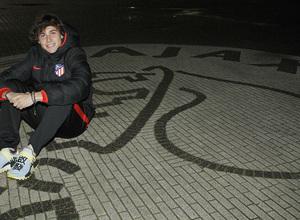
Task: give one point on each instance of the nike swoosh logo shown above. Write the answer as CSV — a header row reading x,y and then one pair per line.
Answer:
x,y
36,68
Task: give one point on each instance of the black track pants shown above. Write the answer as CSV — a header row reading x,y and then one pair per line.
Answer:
x,y
48,123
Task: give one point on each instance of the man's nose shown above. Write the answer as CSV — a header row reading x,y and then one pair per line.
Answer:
x,y
48,38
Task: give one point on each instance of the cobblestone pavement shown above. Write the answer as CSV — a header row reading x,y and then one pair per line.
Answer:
x,y
183,130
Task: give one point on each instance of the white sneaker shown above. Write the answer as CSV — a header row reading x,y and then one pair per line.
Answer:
x,y
7,159
24,166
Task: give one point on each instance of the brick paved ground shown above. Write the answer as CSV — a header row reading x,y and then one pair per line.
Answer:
x,y
192,129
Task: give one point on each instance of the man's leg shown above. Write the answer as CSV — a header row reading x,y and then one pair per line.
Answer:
x,y
10,118
52,120
75,124
56,121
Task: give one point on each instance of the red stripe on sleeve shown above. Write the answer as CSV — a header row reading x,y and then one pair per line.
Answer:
x,y
81,114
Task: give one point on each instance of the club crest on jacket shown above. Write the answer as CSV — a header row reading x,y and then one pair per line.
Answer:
x,y
59,69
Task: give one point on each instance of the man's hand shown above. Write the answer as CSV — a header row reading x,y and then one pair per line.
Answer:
x,y
20,100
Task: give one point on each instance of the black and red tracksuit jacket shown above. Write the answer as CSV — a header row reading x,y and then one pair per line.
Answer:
x,y
72,87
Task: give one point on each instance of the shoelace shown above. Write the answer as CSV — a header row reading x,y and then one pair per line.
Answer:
x,y
28,155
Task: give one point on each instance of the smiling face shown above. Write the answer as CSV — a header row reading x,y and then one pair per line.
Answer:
x,y
50,39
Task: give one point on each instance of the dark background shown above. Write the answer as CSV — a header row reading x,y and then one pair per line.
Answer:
x,y
271,26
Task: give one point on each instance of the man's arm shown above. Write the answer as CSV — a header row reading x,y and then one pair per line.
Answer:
x,y
22,100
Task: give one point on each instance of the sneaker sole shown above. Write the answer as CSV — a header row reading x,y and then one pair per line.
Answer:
x,y
23,177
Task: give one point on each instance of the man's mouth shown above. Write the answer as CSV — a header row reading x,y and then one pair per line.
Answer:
x,y
50,45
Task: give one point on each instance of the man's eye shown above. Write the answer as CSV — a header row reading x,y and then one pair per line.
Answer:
x,y
42,35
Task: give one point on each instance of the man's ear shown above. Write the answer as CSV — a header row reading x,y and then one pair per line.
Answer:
x,y
39,42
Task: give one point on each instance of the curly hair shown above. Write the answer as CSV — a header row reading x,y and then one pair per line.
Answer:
x,y
44,21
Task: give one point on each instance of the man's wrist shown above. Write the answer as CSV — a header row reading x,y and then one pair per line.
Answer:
x,y
5,95
38,96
